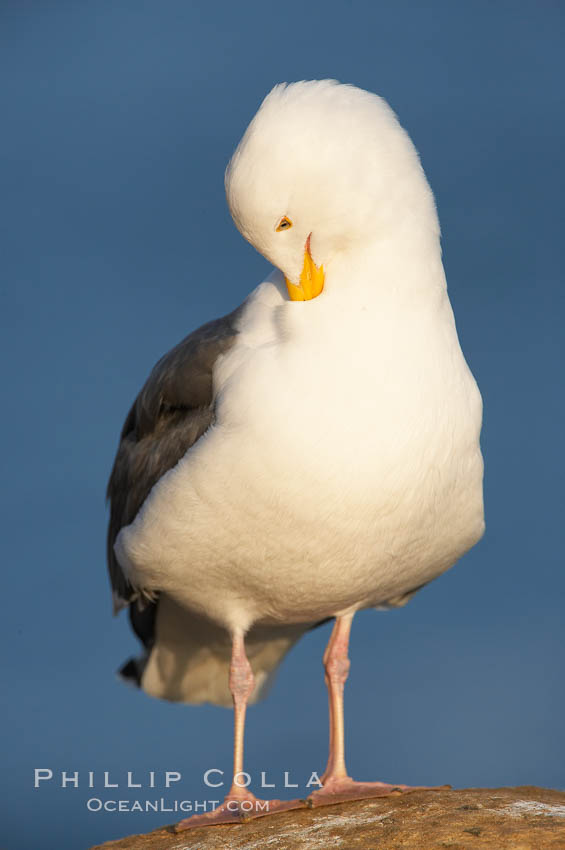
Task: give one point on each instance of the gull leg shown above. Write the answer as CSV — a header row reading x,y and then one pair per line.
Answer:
x,y
239,804
337,786
336,671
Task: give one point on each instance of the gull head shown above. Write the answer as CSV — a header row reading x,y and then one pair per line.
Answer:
x,y
322,169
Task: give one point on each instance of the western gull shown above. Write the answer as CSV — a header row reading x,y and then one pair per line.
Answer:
x,y
312,453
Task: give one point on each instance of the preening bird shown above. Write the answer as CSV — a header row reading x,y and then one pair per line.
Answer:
x,y
314,452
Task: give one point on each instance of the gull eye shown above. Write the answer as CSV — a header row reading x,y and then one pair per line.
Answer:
x,y
284,224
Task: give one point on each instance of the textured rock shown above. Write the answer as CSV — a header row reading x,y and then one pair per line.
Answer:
x,y
524,818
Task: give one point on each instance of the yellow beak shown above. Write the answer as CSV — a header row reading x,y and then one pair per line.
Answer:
x,y
311,280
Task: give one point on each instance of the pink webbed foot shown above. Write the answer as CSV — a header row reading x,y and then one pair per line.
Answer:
x,y
239,809
339,790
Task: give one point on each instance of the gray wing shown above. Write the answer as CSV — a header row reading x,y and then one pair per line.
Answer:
x,y
173,409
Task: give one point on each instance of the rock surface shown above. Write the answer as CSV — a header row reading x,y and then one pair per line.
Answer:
x,y
525,818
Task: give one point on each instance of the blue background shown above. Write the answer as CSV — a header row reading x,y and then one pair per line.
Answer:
x,y
118,119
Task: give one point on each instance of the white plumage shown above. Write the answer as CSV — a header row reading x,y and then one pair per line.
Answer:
x,y
342,469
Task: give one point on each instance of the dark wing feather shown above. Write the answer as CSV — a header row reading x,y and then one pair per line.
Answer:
x,y
173,409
